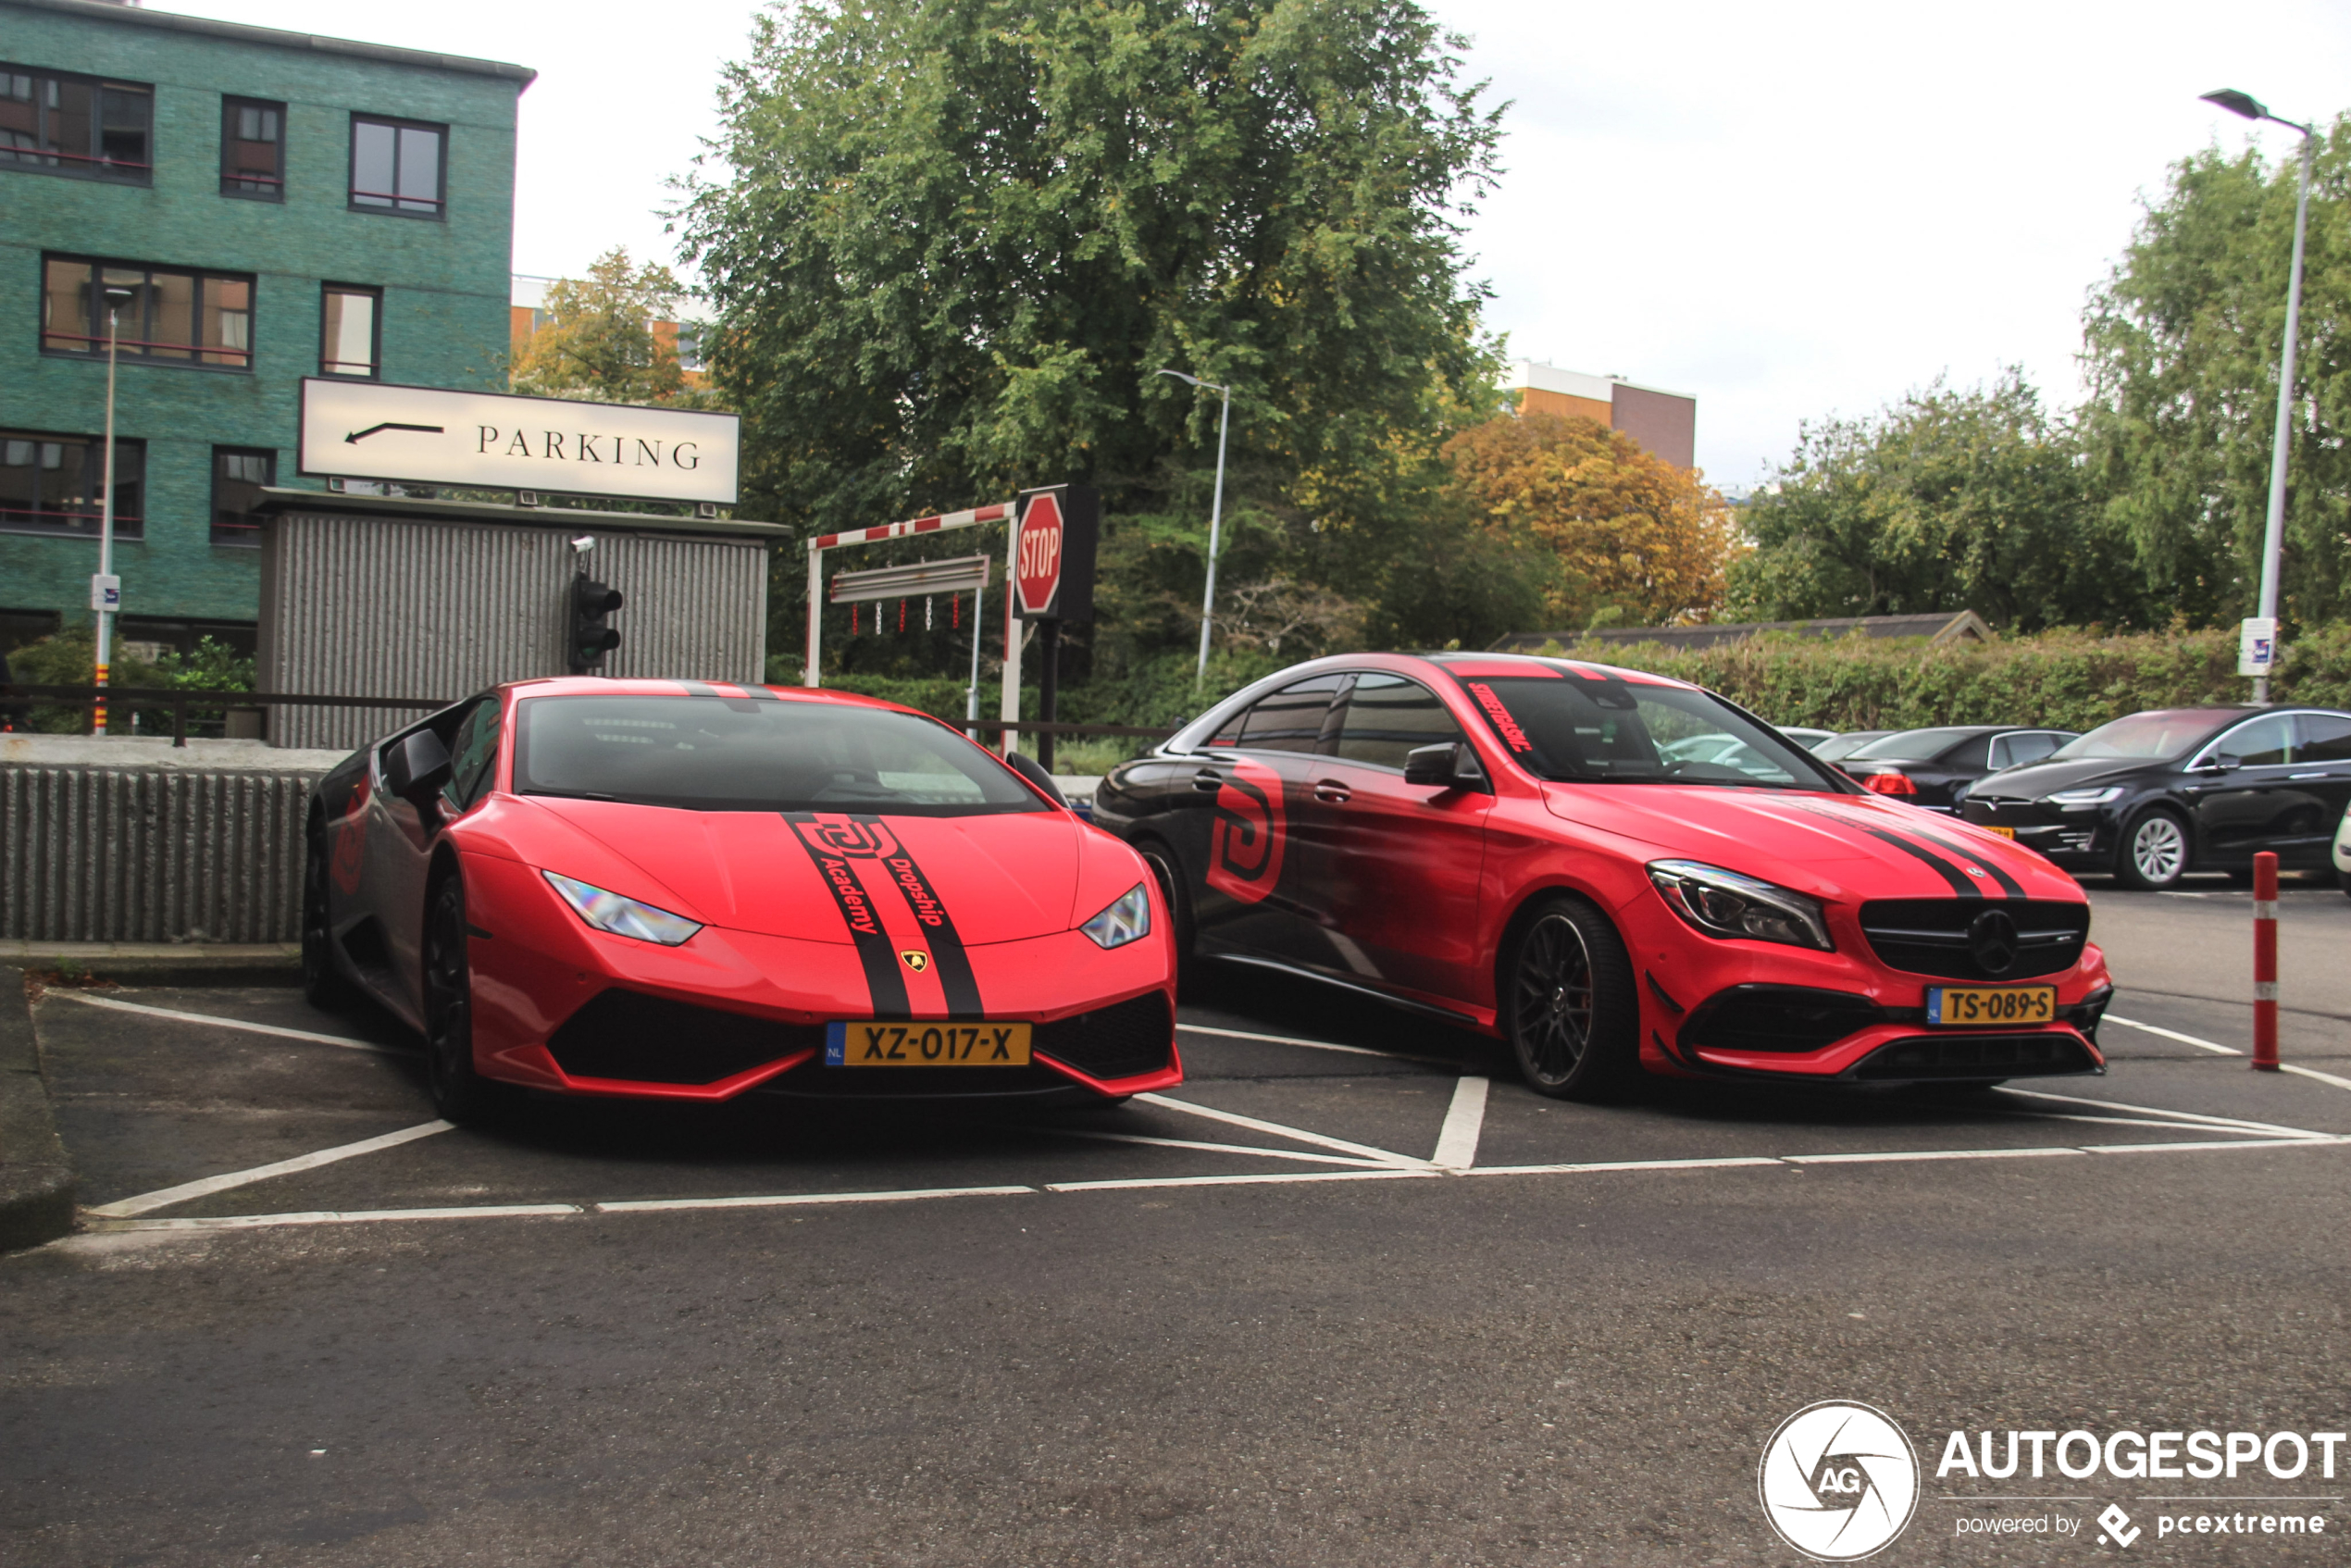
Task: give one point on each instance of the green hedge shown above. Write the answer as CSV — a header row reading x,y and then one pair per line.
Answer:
x,y
2066,680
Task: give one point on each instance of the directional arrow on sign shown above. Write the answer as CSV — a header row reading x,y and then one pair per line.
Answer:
x,y
356,437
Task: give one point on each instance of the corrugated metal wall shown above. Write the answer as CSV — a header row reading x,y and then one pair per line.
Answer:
x,y
98,854
410,607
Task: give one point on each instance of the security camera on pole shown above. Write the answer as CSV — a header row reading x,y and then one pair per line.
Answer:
x,y
1049,578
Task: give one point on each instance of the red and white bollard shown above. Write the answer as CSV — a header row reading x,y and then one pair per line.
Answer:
x,y
2265,962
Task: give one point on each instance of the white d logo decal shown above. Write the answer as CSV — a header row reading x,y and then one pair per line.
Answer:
x,y
1838,1480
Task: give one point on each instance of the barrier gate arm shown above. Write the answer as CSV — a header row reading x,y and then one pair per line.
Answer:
x,y
969,518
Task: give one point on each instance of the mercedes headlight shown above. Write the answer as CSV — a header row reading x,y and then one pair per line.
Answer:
x,y
621,916
1726,903
2082,800
1127,919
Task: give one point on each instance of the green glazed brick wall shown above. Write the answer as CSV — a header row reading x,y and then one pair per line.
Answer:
x,y
446,284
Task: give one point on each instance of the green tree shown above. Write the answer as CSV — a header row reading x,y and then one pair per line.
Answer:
x,y
2183,345
1625,536
599,343
952,240
1946,501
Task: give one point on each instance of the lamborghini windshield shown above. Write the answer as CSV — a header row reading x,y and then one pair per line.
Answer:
x,y
1612,730
727,753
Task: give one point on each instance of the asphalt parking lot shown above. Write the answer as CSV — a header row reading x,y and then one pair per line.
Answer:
x,y
1349,1296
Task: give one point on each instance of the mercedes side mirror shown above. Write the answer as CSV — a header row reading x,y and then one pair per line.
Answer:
x,y
1449,765
416,769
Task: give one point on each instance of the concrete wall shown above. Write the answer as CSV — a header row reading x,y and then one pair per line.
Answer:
x,y
150,854
393,606
445,282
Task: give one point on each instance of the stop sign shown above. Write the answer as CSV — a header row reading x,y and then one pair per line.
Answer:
x,y
1037,564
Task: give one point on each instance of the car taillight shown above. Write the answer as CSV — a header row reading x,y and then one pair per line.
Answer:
x,y
1889,784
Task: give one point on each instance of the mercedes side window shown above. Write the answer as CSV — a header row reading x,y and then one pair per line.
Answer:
x,y
2267,742
1291,720
1389,717
2325,738
473,755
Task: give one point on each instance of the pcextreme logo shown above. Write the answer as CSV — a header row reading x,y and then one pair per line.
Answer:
x,y
1839,1481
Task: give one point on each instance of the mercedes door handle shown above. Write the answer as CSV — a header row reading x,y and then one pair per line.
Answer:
x,y
1208,781
1331,793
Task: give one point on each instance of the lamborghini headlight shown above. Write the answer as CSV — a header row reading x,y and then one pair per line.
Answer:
x,y
1127,919
1728,904
621,916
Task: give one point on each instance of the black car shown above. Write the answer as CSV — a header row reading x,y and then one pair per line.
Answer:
x,y
1933,767
1837,748
2159,794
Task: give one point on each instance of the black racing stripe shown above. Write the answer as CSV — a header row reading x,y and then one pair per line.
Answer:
x,y
2009,886
760,694
955,976
1961,882
696,689
885,986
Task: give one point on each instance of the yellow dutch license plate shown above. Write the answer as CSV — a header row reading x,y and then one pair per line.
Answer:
x,y
1991,1005
2003,832
857,1042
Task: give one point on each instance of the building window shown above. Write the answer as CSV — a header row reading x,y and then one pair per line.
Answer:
x,y
200,318
396,166
238,472
253,149
350,336
50,484
76,125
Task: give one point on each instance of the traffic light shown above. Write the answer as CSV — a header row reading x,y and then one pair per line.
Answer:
x,y
591,638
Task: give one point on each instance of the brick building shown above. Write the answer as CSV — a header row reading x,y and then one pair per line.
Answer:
x,y
1664,422
277,205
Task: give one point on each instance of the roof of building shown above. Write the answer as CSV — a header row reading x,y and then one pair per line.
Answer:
x,y
136,15
276,498
1938,628
1544,376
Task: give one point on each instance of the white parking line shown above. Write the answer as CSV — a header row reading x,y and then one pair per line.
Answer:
x,y
2148,1122
2197,1117
1212,1148
514,1211
342,1216
2314,1073
1464,1119
1299,1135
1898,1156
219,1023
2174,1034
1284,1178
122,1208
2161,1148
1315,1044
1591,1167
794,1200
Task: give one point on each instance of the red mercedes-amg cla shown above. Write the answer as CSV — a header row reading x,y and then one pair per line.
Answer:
x,y
1613,871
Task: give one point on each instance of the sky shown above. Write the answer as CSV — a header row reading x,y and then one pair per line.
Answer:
x,y
1788,210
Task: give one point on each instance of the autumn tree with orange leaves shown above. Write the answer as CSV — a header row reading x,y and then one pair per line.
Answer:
x,y
1632,540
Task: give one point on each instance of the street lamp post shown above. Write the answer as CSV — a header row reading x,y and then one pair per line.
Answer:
x,y
106,590
1215,516
2273,531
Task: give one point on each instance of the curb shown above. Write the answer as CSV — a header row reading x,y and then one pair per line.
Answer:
x,y
36,1181
163,963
